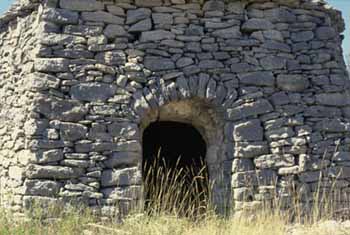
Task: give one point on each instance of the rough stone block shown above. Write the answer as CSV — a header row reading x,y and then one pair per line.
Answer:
x,y
46,188
255,108
124,177
248,131
86,5
93,92
52,172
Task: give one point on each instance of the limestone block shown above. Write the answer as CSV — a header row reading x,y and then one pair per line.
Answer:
x,y
210,64
124,177
134,16
256,24
118,159
273,63
281,133
242,164
52,172
60,16
52,39
83,30
149,3
72,131
255,108
115,10
51,65
16,173
296,83
141,26
131,192
254,178
325,33
162,18
64,110
156,35
302,36
228,33
214,5
250,149
274,161
46,188
102,16
158,63
86,5
49,156
333,99
114,57
41,82
257,78
93,92
248,131
113,30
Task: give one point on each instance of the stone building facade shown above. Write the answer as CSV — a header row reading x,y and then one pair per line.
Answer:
x,y
263,81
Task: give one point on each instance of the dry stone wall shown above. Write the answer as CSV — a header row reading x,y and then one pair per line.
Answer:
x,y
17,48
87,75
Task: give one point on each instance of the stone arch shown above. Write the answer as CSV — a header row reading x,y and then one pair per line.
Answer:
x,y
196,108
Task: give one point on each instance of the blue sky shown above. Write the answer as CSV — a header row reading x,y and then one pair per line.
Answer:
x,y
343,5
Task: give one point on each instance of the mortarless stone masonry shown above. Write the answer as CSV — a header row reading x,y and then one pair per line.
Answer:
x,y
263,81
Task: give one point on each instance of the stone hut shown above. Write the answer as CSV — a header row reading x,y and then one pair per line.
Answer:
x,y
263,83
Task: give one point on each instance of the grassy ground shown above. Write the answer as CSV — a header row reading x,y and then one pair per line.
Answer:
x,y
172,209
72,223
85,224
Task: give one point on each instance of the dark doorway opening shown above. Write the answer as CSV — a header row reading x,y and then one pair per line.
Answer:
x,y
174,170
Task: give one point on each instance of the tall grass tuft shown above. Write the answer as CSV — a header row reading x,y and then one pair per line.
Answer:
x,y
176,190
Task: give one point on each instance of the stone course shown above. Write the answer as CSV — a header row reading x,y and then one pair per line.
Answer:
x,y
264,81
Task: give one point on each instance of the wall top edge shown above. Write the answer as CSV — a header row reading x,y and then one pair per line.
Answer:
x,y
24,7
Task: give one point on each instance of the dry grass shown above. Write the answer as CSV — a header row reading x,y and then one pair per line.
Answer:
x,y
171,210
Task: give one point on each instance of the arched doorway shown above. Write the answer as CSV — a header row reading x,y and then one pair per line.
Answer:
x,y
189,123
174,168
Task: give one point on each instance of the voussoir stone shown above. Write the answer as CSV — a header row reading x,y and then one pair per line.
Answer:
x,y
86,5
